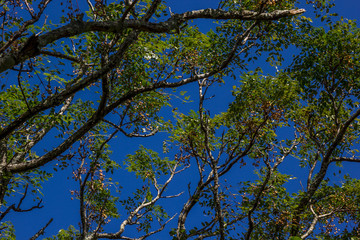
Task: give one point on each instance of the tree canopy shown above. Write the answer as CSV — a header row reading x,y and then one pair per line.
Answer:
x,y
86,84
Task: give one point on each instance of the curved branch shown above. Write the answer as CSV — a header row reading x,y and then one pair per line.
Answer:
x,y
34,44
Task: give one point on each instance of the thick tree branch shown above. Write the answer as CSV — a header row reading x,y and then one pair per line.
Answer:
x,y
154,5
128,10
35,44
346,159
239,15
95,119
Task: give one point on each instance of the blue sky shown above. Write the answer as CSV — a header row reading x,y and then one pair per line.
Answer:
x,y
57,202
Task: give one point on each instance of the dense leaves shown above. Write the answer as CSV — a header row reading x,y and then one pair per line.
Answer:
x,y
79,84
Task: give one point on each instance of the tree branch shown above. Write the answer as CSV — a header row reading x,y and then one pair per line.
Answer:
x,y
60,55
314,222
152,133
56,99
143,205
346,159
34,44
314,185
41,231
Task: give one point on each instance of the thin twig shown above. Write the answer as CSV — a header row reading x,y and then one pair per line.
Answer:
x,y
21,88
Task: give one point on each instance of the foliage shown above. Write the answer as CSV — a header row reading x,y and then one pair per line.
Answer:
x,y
70,233
77,86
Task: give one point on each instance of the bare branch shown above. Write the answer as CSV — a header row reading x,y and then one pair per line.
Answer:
x,y
41,231
128,9
29,8
346,159
8,209
314,222
17,208
90,5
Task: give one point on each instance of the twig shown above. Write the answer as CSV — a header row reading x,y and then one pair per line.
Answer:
x,y
21,88
60,55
